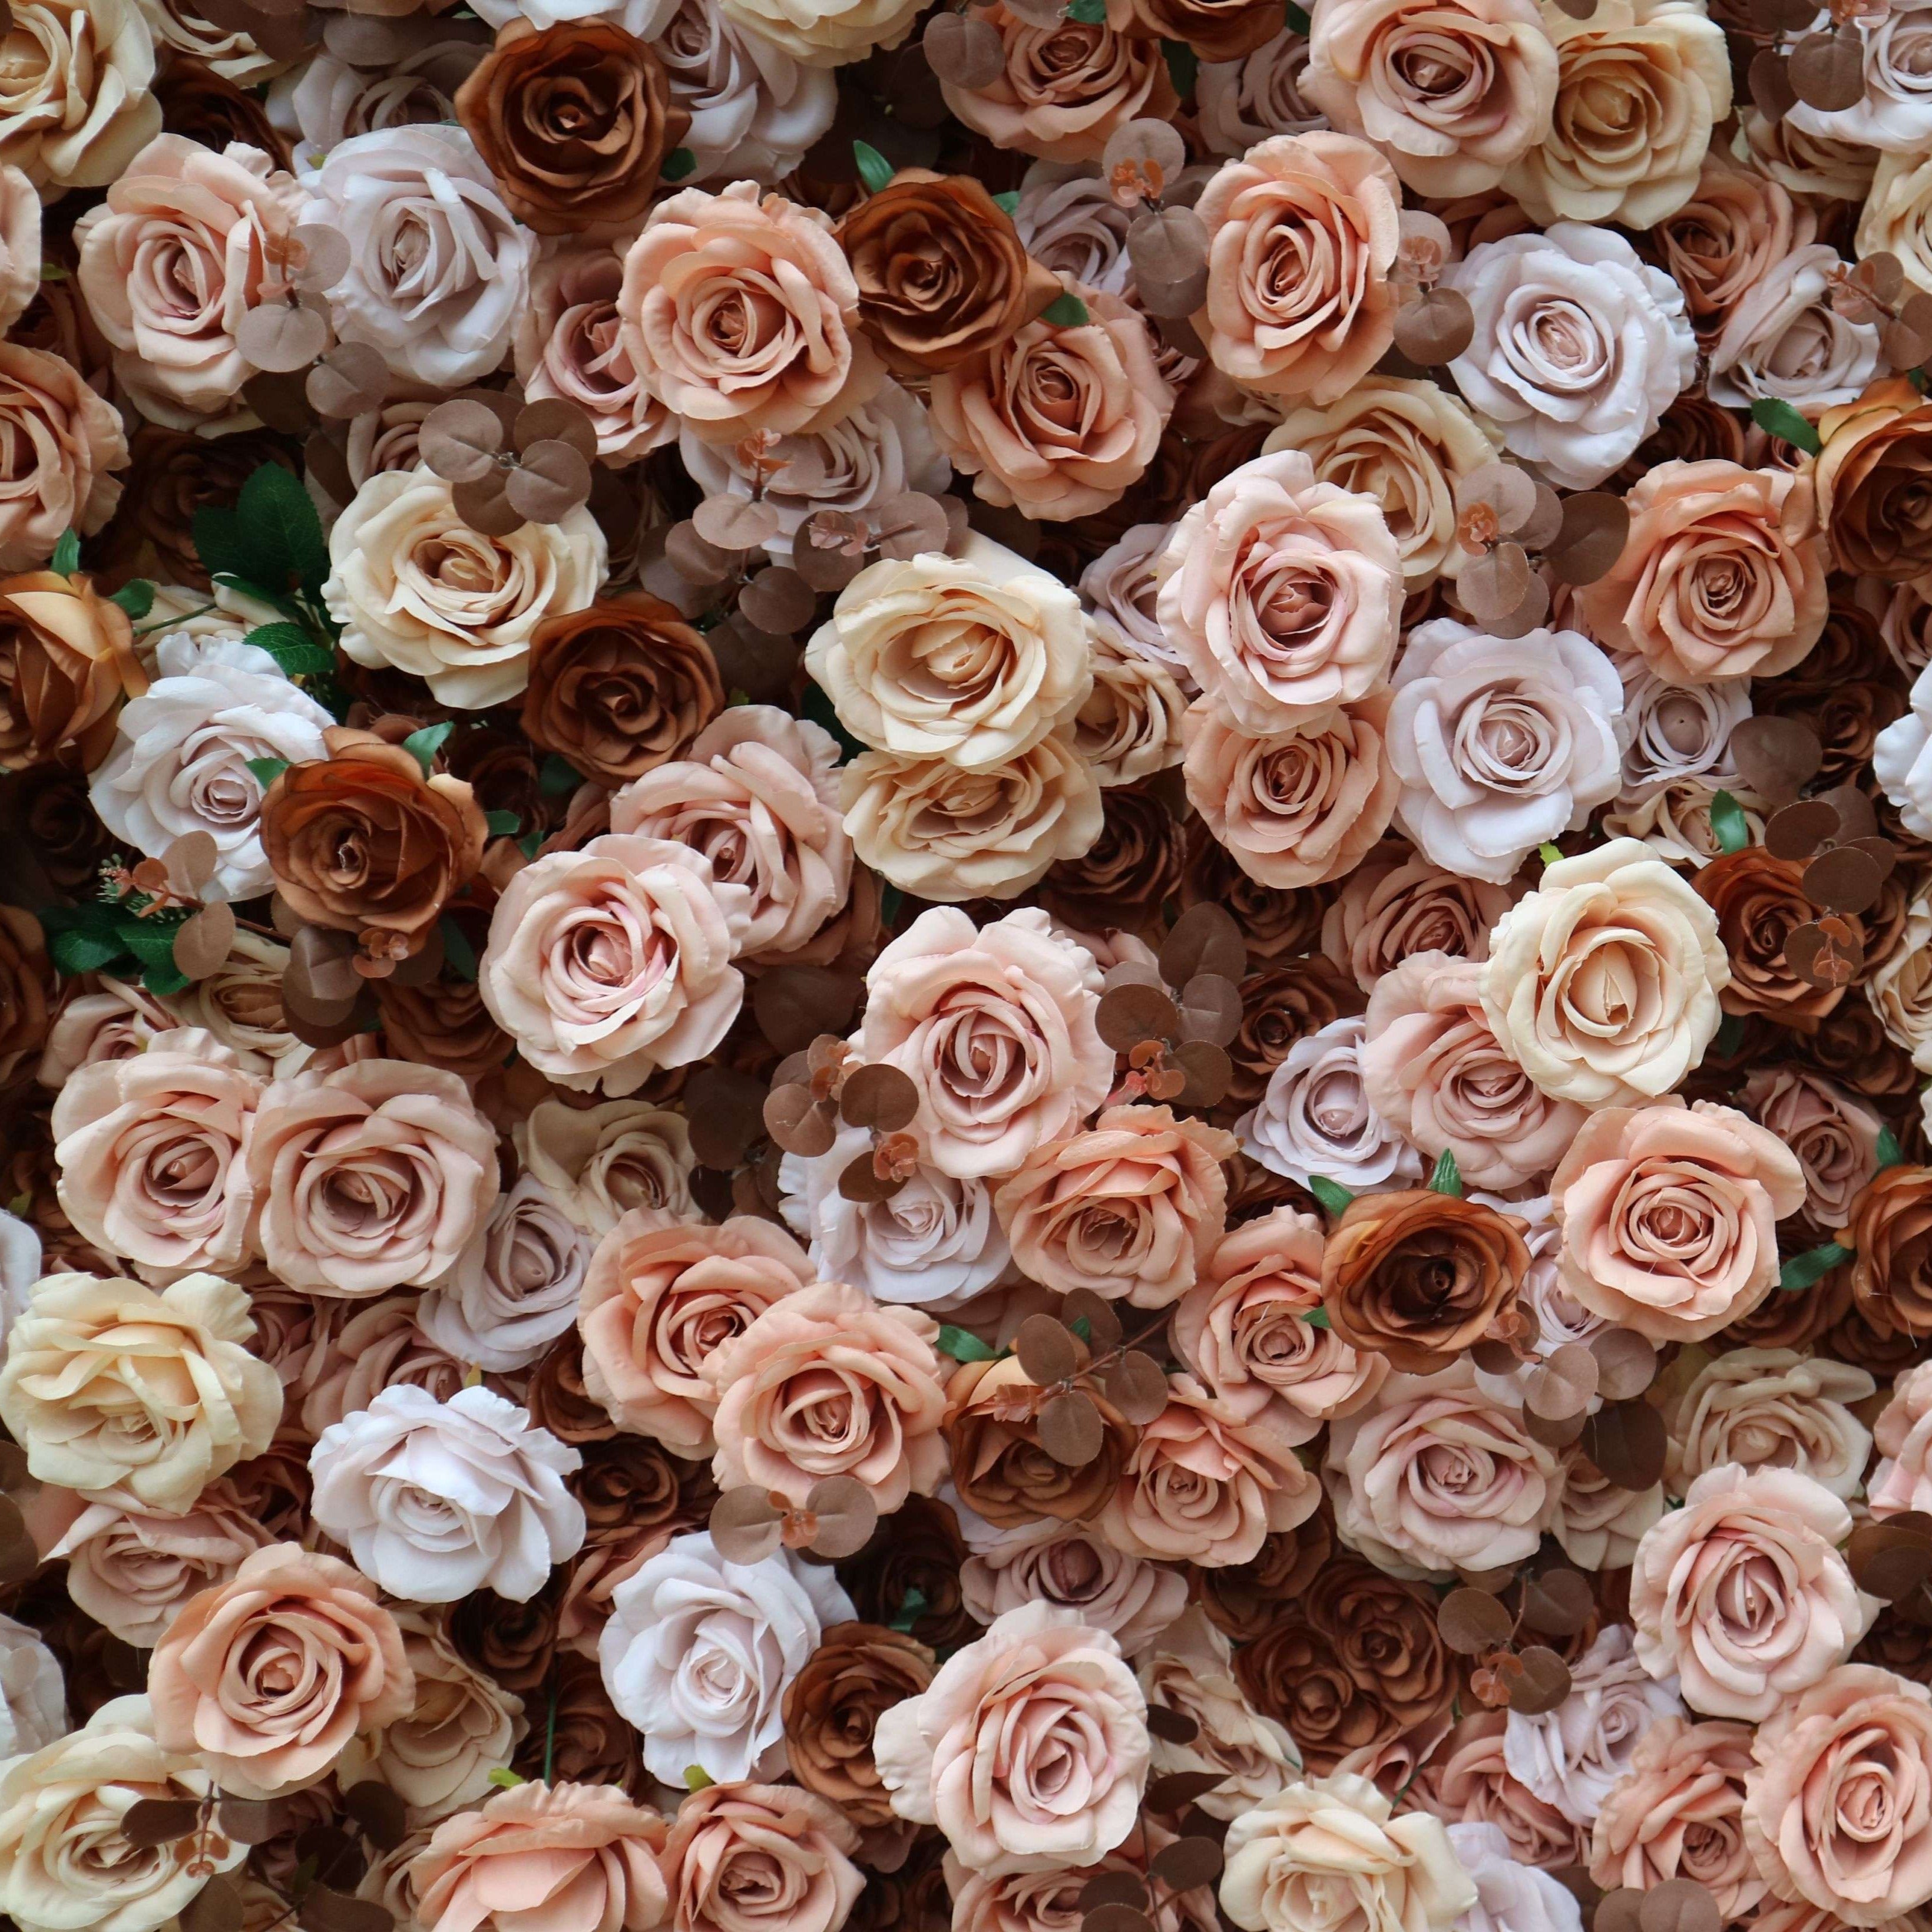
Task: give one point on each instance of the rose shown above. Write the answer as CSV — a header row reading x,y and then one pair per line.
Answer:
x,y
1669,1216
824,1383
1572,1756
1000,1468
151,1153
1327,1846
67,661
20,244
1891,113
1066,1787
1771,1407
33,1700
1057,419
1122,584
1130,727
1899,990
438,269
1899,762
269,1676
1467,1780
1738,228
1284,316
78,108
415,587
600,1162
1900,1480
1675,822
1314,1117
754,109
946,1002
378,1345
1886,1231
1300,806
62,441
699,1650
1076,1569
833,1705
1614,916
1657,64
1675,732
573,120
1832,1810
514,1289
1500,745
1244,101
755,793
149,1427
331,100
575,1857
743,1858
1395,904
1599,1526
1578,347
1066,88
1070,223
606,963
1869,478
65,1861
1436,1474
660,1297
1509,1896
1760,900
1784,339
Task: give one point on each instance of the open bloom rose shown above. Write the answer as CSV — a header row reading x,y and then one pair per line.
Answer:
x,y
1785,340
761,1858
1130,727
1052,1696
1283,594
609,962
602,1162
1328,1848
1075,1570
1892,113
1835,1807
1316,1117
755,107
824,1383
1669,1215
150,1426
268,1676
1868,478
62,442
1189,1668
79,108
1604,982
971,659
1244,101
1755,1407
740,314
373,1176
1303,232
1741,1597
995,1026
1903,1479
581,1857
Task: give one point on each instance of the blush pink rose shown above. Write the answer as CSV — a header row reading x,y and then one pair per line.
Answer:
x,y
760,1858
1903,1479
1467,1781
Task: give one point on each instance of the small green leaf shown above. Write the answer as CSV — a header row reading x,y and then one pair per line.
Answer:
x,y
1331,1194
1446,1178
294,652
1727,821
504,1778
679,162
1183,66
281,529
66,554
1813,1265
267,770
1316,1317
20,1204
912,1607
52,271
1298,20
1088,12
164,979
531,843
1081,1327
1067,311
457,952
1778,418
964,1346
151,943
696,1778
423,746
1919,379
1890,1154
875,170
890,900
737,698
1005,203
74,952
558,777
1548,853
137,598
1730,1034
502,824
217,542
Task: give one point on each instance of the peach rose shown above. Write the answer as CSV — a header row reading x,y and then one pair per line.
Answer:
x,y
61,441
760,1858
1284,595
1669,1216
270,1675
374,1176
1903,1479
544,1857
825,1382
1242,1329
1468,1780
1029,1749
1303,232
660,1297
739,313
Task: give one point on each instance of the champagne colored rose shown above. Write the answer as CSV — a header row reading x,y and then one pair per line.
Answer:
x,y
1394,904
1785,341
1738,229
79,108
1189,1668
602,1162
1130,727
360,1349
1772,1407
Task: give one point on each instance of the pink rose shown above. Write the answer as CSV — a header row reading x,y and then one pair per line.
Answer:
x,y
1466,1781
1903,1479
1395,903
62,440
1075,1570
760,1858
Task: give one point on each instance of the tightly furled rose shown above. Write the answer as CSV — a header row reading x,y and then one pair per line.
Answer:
x,y
833,1705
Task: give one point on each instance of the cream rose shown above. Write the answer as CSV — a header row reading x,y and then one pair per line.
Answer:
x,y
600,1162
827,35
1761,1408
78,107
1130,727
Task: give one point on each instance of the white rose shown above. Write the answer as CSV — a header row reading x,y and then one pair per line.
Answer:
x,y
1511,1896
1315,1118
698,1652
1900,763
328,101
180,759
435,1499
1759,1406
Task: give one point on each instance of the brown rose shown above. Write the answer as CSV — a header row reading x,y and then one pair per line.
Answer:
x,y
26,994
1760,900
1216,30
830,1707
67,661
1890,1230
573,120
1245,1599
1000,1468
1874,482
1279,1006
1419,1276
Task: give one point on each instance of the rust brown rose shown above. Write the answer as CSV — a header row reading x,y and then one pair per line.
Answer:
x,y
574,120
1294,1672
26,994
1760,900
50,823
1276,925
1000,1466
442,1023
1890,1233
1245,1599
1216,30
558,1401
515,1643
831,1706
941,270
1692,430
67,661
1418,1276
1852,1047
620,689
361,841
1874,480
590,1743
918,1548
1123,878
207,107
1881,1351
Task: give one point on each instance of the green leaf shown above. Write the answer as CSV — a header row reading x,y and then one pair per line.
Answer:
x,y
74,952
501,824
1446,1178
875,170
1081,1327
1890,1154
294,651
165,980
1184,65
1005,203
280,529
890,900
1919,379
1332,1194
1730,1034
20,1205
1298,19
531,843
912,1607
558,777
679,162
964,1346
1813,1265
1316,1317
696,1778
1548,853
423,746
137,598
1088,12
1727,821
504,1778
267,770
457,952
1067,311
152,944
66,554
1778,418
819,708
218,542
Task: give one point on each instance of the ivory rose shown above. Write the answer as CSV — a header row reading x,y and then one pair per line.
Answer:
x,y
1669,1215
1757,1407
269,1676
1053,1698
79,108
827,35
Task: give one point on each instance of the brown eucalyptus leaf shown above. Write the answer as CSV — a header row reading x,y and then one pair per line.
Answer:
x,y
1595,527
350,380
282,403
1070,1429
1618,1910
1776,756
1856,818
846,1513
1572,1369
1205,939
150,1821
485,505
1784,17
1493,586
735,522
1827,71
695,560
552,480
191,861
553,419
1116,1918
963,50
1179,1789
1046,1350
1826,952
861,1180
1532,611
746,1525
460,440
1495,1358
1769,79
1130,1014
326,1910
378,1813
1168,245
1882,852
910,525
1178,332
1436,327
1545,520
1208,1070
1211,1009
1186,1864
793,1005
1626,1362
1578,10
1172,1726
1173,302
216,1907
1113,1888
725,1109
1472,1621
1797,831
1542,1683
777,599
1152,149
1136,1385
1626,1440
829,549
1679,1905
880,1097
1508,493
1887,1562
1102,1319
1844,879
1559,1603
799,1123
1555,1432
281,337
320,983
254,1821
1902,345
204,939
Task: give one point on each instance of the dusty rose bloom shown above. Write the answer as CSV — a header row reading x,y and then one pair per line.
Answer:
x,y
1759,1407
1598,1525
1785,340
1075,1570
760,1858
1467,1781
1316,1117
1738,228
1833,1134
1903,1479
380,1344
62,441
1244,101
1395,903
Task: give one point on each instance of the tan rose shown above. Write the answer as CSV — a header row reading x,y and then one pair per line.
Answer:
x,y
61,441
602,1162
269,1676
1077,1570
78,108
1726,240
760,1858
1896,218
1129,726
1000,1468
1773,1408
